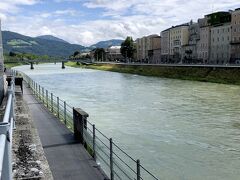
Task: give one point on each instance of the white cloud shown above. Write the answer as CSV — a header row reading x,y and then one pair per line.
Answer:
x,y
11,6
124,18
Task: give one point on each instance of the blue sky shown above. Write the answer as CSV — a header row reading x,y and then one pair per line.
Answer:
x,y
89,21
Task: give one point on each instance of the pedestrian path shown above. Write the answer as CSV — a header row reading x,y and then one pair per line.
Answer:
x,y
68,160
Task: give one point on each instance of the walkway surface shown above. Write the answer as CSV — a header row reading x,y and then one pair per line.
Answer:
x,y
68,160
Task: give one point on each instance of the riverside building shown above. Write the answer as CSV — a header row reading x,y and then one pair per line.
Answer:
x,y
146,47
235,39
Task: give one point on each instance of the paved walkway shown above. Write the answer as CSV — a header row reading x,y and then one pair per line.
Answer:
x,y
68,160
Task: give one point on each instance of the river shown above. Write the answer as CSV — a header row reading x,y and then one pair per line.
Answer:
x,y
179,129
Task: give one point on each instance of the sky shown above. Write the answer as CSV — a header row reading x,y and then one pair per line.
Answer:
x,y
86,22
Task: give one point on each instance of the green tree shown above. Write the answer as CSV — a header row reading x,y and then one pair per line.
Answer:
x,y
76,53
12,54
127,48
100,54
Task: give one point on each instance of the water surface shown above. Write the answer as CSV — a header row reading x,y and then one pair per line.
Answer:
x,y
179,129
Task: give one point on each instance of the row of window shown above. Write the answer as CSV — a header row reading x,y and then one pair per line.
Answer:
x,y
220,31
222,39
236,30
220,55
175,37
203,55
236,47
236,22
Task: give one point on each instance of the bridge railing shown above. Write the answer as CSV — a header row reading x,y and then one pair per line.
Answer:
x,y
6,128
113,160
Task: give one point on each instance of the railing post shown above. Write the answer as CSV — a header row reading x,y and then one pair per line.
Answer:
x,y
47,97
79,123
34,88
138,170
43,95
94,142
52,101
111,160
39,90
65,113
58,107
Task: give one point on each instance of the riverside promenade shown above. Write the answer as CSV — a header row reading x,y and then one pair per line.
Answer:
x,y
66,157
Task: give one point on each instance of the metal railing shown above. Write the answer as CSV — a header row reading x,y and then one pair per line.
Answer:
x,y
113,160
6,128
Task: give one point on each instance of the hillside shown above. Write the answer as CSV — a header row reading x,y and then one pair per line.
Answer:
x,y
24,44
50,37
105,44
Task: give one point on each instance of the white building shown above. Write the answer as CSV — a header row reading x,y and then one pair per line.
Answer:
x,y
114,53
220,44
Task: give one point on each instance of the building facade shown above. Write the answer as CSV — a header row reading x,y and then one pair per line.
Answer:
x,y
1,67
235,40
189,51
220,44
165,45
144,48
203,45
155,57
179,37
113,53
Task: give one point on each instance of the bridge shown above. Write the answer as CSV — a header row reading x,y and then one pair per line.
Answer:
x,y
63,61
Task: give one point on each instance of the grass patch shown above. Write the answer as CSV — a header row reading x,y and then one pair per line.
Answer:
x,y
205,74
10,65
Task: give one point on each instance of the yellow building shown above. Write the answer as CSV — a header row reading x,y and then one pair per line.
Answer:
x,y
179,36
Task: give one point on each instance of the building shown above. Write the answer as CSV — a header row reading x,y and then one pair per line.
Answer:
x,y
1,67
220,44
235,40
220,37
165,45
113,53
203,45
144,47
155,52
189,51
179,37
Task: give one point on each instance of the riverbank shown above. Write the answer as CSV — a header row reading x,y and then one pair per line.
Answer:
x,y
222,75
10,65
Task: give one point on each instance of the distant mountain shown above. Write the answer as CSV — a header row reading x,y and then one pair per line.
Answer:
x,y
41,46
53,38
105,44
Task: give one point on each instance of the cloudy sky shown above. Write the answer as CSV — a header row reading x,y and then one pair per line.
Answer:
x,y
88,21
